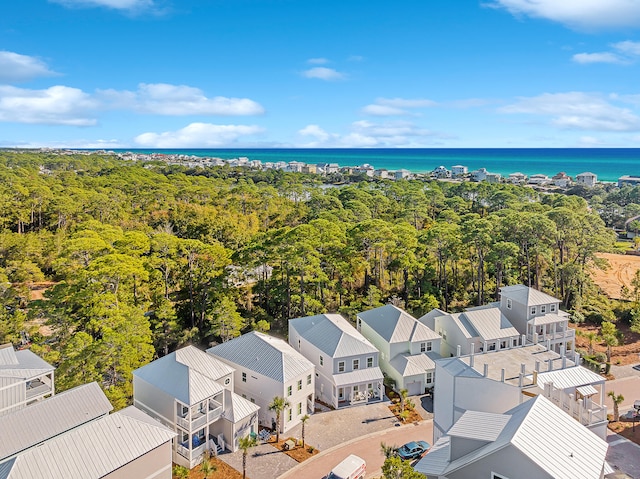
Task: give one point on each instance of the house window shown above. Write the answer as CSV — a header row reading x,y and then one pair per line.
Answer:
x,y
444,335
308,379
244,396
492,347
359,324
299,384
321,361
298,344
429,378
340,393
515,342
289,390
356,364
552,308
244,377
543,309
341,367
289,414
533,310
503,344
369,362
299,408
429,346
370,388
508,303
423,347
227,381
253,400
355,389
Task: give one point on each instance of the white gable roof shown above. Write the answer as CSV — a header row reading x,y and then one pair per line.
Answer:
x,y
189,375
526,295
22,364
264,354
569,377
411,365
396,325
240,407
333,335
91,451
45,419
490,323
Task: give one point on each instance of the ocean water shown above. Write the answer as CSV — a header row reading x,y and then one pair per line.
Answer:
x,y
608,163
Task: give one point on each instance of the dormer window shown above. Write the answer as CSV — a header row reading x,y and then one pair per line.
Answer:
x,y
553,308
533,310
508,303
341,367
543,309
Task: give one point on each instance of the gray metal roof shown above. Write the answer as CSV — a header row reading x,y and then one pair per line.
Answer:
x,y
359,376
570,377
46,419
548,319
240,407
490,324
189,375
437,460
333,335
410,365
22,364
264,354
429,319
480,426
525,295
457,367
396,325
91,451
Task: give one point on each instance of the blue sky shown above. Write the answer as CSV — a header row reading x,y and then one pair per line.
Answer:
x,y
319,73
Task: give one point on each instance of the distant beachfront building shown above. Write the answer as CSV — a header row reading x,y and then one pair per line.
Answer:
x,y
561,179
441,172
366,169
309,169
539,179
517,178
629,180
482,174
295,166
402,174
459,170
587,179
383,174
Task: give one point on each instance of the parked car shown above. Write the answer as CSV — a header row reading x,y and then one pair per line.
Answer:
x,y
413,449
353,467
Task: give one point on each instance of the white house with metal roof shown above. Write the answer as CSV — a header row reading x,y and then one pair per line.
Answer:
x,y
24,378
32,425
407,347
538,316
534,439
497,381
476,329
123,445
347,371
266,367
191,392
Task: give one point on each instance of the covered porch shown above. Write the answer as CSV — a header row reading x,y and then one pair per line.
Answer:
x,y
358,387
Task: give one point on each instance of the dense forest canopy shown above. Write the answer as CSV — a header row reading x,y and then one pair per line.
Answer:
x,y
145,257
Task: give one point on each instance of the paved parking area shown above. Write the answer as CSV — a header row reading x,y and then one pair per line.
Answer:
x,y
323,430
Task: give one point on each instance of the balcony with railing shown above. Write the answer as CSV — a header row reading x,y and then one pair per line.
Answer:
x,y
39,387
198,416
586,411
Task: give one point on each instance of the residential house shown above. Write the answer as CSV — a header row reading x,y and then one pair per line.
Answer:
x,y
441,172
474,330
192,393
496,381
32,425
312,169
628,180
538,316
118,446
407,347
539,179
481,174
267,367
459,170
346,363
587,179
534,439
402,174
517,178
24,378
383,174
561,180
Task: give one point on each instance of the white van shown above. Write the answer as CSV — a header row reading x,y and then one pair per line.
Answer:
x,y
353,467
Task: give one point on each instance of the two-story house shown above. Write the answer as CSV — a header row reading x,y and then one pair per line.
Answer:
x,y
192,393
24,378
538,316
346,363
407,347
474,330
265,368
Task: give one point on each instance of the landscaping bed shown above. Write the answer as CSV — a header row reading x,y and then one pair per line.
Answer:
x,y
297,453
224,471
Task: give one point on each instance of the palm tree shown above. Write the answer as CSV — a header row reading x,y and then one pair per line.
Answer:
x,y
207,467
403,397
592,337
617,400
278,404
388,451
180,472
246,443
303,419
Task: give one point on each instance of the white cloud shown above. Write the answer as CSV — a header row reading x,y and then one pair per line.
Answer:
x,y
365,134
628,47
176,100
115,4
57,105
396,106
198,135
578,111
317,61
603,57
323,73
582,14
15,67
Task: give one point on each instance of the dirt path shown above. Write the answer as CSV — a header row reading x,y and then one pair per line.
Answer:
x,y
620,273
